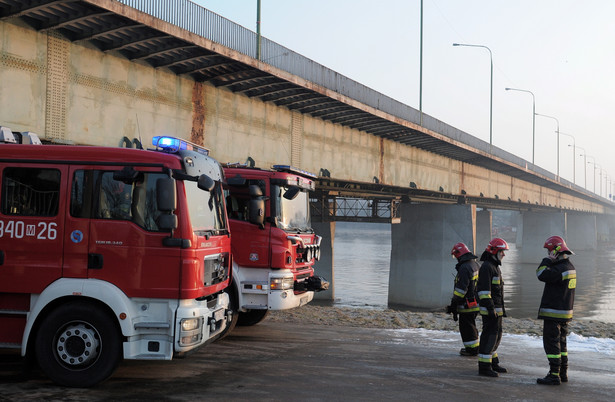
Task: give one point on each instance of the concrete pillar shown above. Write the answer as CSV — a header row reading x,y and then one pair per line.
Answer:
x,y
422,270
605,225
324,266
581,231
483,230
519,239
537,227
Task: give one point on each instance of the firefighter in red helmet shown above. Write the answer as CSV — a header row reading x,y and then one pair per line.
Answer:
x,y
463,303
490,291
560,278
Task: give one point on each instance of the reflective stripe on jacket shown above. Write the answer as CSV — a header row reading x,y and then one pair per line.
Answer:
x,y
560,278
490,286
465,283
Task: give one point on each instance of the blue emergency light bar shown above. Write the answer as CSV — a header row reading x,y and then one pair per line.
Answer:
x,y
292,169
174,145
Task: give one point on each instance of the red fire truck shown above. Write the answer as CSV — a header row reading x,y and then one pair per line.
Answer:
x,y
274,247
110,253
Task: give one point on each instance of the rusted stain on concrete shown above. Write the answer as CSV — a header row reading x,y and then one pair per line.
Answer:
x,y
197,135
381,168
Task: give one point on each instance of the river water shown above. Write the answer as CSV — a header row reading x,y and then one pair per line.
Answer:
x,y
362,250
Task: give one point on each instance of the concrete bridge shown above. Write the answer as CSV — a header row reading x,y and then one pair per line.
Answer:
x,y
117,73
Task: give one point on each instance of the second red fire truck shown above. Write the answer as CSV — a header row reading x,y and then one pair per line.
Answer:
x,y
274,247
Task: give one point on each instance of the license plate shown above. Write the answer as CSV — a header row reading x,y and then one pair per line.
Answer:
x,y
219,314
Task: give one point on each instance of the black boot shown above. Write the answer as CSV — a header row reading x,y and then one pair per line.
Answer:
x,y
563,369
468,351
495,366
484,369
550,379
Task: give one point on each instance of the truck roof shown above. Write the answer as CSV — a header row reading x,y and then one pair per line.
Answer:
x,y
76,154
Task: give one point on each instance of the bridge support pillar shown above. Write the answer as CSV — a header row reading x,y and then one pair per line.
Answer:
x,y
537,227
324,266
483,230
422,271
603,228
582,232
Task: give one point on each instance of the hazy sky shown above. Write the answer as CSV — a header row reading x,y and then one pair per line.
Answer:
x,y
561,50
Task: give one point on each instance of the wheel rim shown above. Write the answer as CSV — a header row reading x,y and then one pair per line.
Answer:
x,y
77,345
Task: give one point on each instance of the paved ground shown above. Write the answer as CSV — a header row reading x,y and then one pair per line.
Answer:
x,y
274,361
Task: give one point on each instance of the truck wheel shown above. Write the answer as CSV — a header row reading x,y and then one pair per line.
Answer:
x,y
251,317
78,345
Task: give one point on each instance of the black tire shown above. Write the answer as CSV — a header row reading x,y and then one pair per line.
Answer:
x,y
251,317
78,345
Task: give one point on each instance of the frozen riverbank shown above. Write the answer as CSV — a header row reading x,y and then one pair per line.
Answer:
x,y
395,319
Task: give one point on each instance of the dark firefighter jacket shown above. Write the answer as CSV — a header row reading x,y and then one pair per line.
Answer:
x,y
560,278
464,293
490,286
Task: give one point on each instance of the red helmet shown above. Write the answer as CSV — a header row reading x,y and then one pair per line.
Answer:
x,y
556,245
496,244
459,249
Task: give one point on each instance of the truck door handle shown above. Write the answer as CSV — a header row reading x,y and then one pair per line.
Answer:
x,y
1,257
95,261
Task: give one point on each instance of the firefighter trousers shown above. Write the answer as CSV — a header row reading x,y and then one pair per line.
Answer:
x,y
468,331
554,335
490,338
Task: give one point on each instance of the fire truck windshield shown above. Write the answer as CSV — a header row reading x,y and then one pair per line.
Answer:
x,y
206,209
294,215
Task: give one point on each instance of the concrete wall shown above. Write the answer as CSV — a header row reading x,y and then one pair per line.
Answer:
x,y
422,270
537,227
324,266
581,231
483,230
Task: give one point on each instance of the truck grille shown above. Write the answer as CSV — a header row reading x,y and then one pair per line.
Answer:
x,y
216,269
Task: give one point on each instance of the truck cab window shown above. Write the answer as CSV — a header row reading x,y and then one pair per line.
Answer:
x,y
96,194
30,191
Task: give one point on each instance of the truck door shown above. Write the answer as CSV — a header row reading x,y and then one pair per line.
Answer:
x,y
32,210
124,245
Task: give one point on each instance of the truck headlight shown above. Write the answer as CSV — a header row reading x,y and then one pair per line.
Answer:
x,y
281,283
189,324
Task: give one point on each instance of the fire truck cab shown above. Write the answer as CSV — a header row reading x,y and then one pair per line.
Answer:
x,y
274,247
109,254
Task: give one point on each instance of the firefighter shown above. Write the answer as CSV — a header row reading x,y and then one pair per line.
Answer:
x,y
490,290
463,303
560,278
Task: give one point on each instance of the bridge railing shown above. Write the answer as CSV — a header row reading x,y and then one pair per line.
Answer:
x,y
201,21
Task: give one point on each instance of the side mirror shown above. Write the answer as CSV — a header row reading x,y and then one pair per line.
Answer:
x,y
205,183
256,206
256,212
255,191
291,193
166,198
167,222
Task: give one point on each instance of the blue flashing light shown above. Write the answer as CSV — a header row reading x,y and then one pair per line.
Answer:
x,y
292,169
174,145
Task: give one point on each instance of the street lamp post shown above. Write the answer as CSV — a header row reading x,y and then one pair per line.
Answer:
x,y
594,163
490,90
533,118
557,131
584,166
574,157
